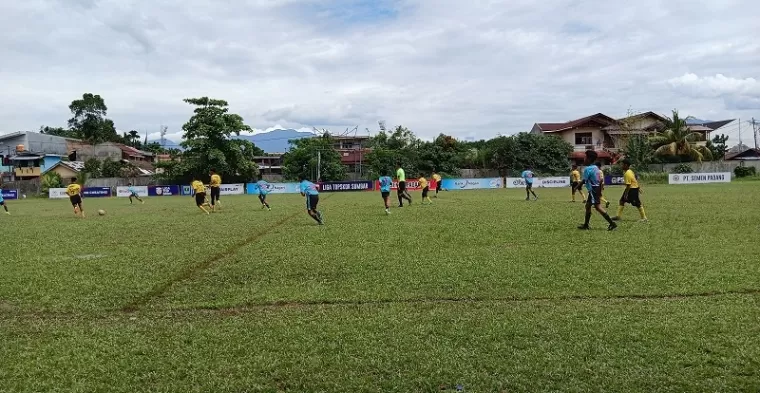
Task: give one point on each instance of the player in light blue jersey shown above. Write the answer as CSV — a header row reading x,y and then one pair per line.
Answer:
x,y
310,191
2,203
133,193
592,179
385,190
528,176
263,187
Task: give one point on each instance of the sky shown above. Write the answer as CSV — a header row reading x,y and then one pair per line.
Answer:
x,y
472,69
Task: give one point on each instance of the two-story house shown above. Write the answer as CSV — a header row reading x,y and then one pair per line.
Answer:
x,y
352,150
26,154
586,133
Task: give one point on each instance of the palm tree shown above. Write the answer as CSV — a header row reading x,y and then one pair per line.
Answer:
x,y
677,140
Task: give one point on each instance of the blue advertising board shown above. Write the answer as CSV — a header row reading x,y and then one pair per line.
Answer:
x,y
340,186
187,190
10,194
96,192
615,180
164,190
273,188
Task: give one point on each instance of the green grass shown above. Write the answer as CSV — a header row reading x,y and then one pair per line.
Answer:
x,y
481,289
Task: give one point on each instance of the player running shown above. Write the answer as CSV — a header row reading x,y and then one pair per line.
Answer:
x,y
438,185
2,203
309,190
601,186
385,191
214,187
401,191
425,189
263,187
575,183
200,195
74,191
133,193
591,178
631,193
528,176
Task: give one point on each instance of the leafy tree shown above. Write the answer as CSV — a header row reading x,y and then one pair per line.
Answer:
x,y
155,148
208,145
501,153
399,146
51,180
111,168
302,159
89,122
132,138
445,154
639,152
92,166
545,154
718,147
676,140
58,131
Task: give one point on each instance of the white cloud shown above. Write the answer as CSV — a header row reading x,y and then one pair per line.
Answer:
x,y
472,69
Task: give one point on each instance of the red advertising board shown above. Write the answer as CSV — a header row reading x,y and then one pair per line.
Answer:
x,y
411,185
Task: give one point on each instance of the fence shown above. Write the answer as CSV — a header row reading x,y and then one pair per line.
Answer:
x,y
708,166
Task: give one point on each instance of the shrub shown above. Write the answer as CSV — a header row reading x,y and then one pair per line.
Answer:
x,y
51,180
615,170
683,168
744,171
653,178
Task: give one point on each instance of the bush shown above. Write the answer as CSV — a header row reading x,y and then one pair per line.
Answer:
x,y
683,168
653,178
615,170
51,180
745,171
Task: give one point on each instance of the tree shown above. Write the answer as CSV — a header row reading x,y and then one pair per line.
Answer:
x,y
399,146
501,152
92,166
58,131
89,122
445,154
305,153
719,148
132,138
111,168
155,148
676,140
545,154
639,151
51,180
207,142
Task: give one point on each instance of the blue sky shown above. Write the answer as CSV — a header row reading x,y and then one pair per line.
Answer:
x,y
473,69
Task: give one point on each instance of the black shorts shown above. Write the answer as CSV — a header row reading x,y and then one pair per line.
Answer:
x,y
385,194
594,197
633,198
311,202
401,186
425,191
438,185
576,185
76,200
200,198
528,186
134,195
214,194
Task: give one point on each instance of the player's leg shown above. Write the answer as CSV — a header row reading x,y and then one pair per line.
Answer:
x,y
635,199
437,188
621,206
573,187
5,207
200,201
587,216
81,209
598,206
400,195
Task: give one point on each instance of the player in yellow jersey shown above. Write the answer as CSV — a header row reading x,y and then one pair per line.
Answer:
x,y
74,191
601,186
575,183
631,193
200,195
425,189
437,179
213,185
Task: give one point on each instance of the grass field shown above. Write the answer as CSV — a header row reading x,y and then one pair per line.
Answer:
x,y
481,289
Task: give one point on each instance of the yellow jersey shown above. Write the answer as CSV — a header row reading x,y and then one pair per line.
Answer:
x,y
73,189
629,178
198,186
216,181
423,182
436,177
575,176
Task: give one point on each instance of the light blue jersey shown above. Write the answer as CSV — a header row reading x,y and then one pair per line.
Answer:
x,y
132,190
527,176
308,188
263,187
385,183
1,198
591,177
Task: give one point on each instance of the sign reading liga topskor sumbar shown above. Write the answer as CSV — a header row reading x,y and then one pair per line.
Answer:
x,y
699,178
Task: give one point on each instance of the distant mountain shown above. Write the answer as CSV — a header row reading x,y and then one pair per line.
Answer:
x,y
275,141
694,120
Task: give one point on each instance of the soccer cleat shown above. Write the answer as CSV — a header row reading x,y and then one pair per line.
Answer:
x,y
584,227
527,199
319,215
8,213
612,227
400,205
263,207
387,211
643,220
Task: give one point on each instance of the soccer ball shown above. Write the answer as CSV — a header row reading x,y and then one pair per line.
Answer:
x,y
23,196
101,212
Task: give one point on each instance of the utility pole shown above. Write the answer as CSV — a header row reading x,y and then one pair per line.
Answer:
x,y
319,164
740,133
754,132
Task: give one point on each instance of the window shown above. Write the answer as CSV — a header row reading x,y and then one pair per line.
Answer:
x,y
583,138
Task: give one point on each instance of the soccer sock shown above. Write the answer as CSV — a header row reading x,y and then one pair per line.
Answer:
x,y
607,217
604,200
6,208
620,211
314,216
587,218
400,199
573,196
641,213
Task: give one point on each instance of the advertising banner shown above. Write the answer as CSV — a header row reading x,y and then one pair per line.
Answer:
x,y
516,182
187,190
96,192
339,186
162,191
10,194
411,185
123,191
273,188
548,182
472,184
230,189
57,193
699,178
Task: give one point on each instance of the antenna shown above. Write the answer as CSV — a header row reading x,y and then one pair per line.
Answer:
x,y
163,135
381,123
